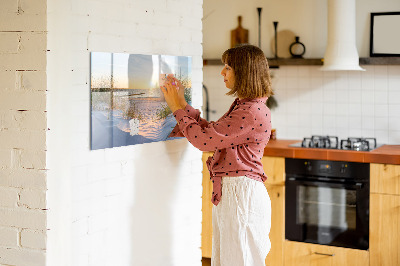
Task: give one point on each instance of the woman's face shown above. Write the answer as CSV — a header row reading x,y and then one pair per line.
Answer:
x,y
229,76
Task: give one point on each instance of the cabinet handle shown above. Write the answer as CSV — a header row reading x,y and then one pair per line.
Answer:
x,y
324,254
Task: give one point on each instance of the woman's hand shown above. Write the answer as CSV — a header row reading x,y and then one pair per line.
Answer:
x,y
174,93
181,92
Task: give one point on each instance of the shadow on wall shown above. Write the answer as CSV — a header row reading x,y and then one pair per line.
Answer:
x,y
153,220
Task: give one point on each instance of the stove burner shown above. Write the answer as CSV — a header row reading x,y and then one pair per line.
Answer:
x,y
332,142
358,144
328,142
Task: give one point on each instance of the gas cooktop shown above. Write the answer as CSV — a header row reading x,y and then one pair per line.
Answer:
x,y
332,142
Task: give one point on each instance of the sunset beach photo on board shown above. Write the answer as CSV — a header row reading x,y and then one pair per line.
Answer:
x,y
127,105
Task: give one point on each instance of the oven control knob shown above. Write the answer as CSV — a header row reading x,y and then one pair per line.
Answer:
x,y
308,166
343,168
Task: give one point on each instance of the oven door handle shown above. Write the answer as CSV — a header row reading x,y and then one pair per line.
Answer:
x,y
357,185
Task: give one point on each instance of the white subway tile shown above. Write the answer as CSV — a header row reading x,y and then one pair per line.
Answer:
x,y
394,110
367,110
367,133
368,122
380,84
304,82
304,73
342,109
394,137
394,123
380,71
355,96
394,83
328,74
342,122
382,110
355,122
354,81
382,123
394,97
367,96
355,132
382,136
291,71
329,109
381,97
342,97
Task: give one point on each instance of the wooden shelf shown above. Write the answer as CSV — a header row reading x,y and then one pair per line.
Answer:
x,y
274,63
380,61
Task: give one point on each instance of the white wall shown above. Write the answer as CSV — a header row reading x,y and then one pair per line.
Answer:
x,y
306,19
311,102
134,205
23,133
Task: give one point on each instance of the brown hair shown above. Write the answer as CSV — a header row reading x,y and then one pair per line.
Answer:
x,y
250,66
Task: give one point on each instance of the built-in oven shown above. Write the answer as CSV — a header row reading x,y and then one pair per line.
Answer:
x,y
327,202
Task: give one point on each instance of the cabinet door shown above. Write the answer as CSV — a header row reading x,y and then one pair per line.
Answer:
x,y
277,233
385,178
304,254
274,168
206,232
384,230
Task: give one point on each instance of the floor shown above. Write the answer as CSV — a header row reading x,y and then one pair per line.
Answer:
x,y
206,261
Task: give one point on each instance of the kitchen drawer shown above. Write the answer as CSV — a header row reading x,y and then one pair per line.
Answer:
x,y
305,254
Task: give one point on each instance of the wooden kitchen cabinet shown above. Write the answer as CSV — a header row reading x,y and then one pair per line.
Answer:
x,y
277,233
385,215
274,168
384,236
206,225
305,254
385,178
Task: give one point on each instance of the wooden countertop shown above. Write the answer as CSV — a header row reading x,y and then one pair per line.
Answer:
x,y
389,154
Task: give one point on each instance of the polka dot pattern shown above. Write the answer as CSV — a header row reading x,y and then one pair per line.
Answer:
x,y
238,139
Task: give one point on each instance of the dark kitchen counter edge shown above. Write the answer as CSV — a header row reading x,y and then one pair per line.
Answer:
x,y
386,154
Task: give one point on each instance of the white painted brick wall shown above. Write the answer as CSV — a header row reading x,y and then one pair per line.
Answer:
x,y
34,239
9,237
23,132
124,205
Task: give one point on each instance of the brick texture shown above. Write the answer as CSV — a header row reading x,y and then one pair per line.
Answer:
x,y
23,125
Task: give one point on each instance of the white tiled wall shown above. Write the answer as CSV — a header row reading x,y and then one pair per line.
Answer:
x,y
312,102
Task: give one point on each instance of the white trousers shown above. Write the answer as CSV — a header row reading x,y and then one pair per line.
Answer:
x,y
241,223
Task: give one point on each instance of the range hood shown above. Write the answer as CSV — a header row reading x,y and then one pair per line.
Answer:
x,y
341,51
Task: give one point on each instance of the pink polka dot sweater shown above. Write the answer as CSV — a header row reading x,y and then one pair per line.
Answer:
x,y
238,139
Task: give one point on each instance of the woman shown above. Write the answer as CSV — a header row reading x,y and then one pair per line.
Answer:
x,y
242,208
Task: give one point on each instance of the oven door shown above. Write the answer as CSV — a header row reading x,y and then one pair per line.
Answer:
x,y
327,213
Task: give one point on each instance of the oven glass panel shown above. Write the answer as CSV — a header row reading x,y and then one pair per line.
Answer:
x,y
326,207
